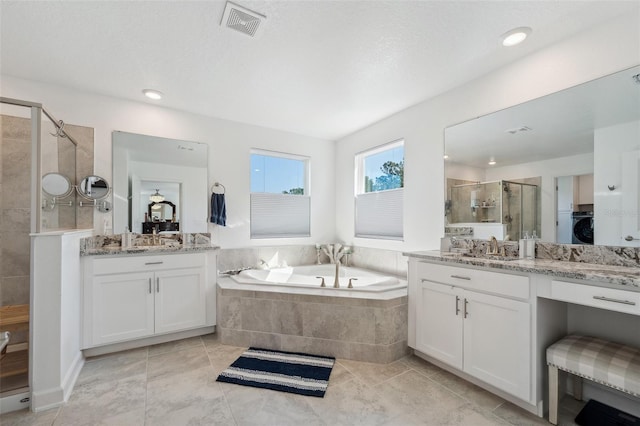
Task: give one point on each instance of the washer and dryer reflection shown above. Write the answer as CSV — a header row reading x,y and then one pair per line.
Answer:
x,y
582,229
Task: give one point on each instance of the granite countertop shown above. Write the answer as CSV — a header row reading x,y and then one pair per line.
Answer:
x,y
118,251
617,275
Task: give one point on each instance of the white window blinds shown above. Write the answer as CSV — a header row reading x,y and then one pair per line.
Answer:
x,y
379,214
280,215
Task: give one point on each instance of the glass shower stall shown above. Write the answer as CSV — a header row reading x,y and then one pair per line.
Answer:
x,y
513,204
37,177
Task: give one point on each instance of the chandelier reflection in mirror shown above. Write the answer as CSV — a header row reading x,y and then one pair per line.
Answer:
x,y
157,197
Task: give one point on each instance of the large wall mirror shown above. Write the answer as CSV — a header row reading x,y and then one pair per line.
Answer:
x,y
151,173
564,166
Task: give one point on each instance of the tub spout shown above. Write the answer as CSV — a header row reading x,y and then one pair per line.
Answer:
x,y
336,281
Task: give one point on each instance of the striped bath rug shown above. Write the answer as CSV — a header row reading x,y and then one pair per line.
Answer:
x,y
282,371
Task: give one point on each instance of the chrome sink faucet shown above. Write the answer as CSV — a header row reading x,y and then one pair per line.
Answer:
x,y
155,238
492,248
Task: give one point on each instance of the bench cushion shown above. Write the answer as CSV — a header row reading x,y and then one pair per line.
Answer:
x,y
604,362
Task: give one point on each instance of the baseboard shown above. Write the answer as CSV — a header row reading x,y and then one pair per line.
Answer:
x,y
49,398
533,409
123,346
72,376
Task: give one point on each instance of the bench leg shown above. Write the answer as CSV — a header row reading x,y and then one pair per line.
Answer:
x,y
577,387
553,395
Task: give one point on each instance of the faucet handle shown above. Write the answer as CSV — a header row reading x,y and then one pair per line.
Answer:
x,y
350,283
322,284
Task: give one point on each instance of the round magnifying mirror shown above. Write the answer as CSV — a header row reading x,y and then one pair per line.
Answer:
x,y
56,185
94,187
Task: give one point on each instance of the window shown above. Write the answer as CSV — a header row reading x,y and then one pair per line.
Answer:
x,y
280,202
379,192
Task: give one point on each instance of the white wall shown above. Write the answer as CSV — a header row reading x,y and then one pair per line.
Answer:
x,y
464,172
616,212
584,57
229,145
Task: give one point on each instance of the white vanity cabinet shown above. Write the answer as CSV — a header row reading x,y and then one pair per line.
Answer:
x,y
132,297
476,321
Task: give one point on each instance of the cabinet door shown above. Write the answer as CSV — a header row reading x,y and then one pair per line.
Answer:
x,y
180,299
497,337
122,307
439,322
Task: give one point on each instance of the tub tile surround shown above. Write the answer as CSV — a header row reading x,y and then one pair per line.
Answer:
x,y
386,261
344,326
350,328
142,243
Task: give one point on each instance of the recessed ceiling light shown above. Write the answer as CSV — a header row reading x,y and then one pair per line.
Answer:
x,y
492,163
152,94
446,156
515,36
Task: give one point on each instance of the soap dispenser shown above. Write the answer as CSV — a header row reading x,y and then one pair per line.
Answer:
x,y
127,239
522,246
531,245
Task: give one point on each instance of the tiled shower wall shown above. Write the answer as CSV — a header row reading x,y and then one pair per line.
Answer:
x,y
58,157
15,209
15,201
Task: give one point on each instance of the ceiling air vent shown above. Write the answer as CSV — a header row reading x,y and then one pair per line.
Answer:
x,y
518,130
242,19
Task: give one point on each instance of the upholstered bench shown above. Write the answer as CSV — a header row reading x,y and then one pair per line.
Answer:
x,y
610,364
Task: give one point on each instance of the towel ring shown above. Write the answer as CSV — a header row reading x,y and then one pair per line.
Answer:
x,y
217,185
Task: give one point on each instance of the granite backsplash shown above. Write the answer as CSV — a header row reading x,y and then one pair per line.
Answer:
x,y
141,240
599,255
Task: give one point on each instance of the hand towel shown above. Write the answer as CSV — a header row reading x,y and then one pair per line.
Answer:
x,y
218,209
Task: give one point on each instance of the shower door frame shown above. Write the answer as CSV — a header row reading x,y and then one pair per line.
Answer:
x,y
22,399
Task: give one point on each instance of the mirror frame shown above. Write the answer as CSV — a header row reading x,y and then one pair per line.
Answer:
x,y
169,203
83,183
59,195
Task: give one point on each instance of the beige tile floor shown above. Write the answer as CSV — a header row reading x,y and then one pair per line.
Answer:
x,y
175,384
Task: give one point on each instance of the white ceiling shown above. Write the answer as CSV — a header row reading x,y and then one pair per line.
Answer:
x,y
319,68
